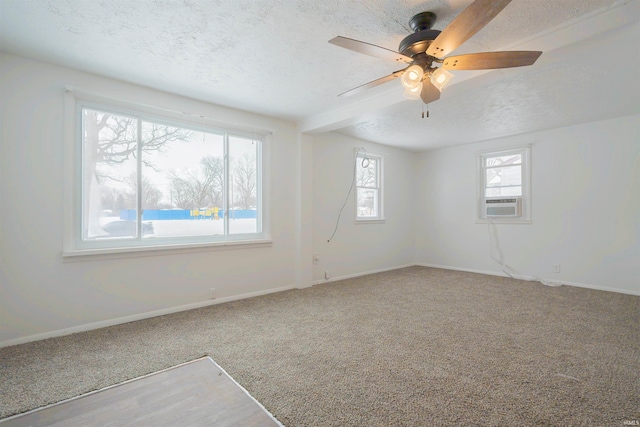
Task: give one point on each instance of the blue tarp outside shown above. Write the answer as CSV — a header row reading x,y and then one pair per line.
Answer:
x,y
195,214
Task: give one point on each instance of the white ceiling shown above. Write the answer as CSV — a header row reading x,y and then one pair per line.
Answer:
x,y
272,57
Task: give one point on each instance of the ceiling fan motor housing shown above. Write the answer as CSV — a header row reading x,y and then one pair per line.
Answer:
x,y
420,40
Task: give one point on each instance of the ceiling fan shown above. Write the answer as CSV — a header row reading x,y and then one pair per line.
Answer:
x,y
426,47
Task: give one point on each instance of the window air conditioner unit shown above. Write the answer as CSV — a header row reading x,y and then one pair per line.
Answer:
x,y
507,207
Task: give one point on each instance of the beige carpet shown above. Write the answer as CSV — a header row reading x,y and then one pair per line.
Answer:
x,y
411,347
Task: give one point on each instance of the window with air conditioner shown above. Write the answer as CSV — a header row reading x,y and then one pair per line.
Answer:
x,y
504,186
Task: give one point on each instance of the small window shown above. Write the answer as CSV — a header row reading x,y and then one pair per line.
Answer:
x,y
503,185
368,187
144,181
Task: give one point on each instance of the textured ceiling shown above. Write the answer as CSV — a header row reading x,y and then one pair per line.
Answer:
x,y
566,86
272,57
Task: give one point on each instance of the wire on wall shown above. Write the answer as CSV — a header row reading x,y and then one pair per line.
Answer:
x,y
365,164
499,256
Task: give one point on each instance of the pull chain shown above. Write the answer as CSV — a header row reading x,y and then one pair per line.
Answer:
x,y
423,110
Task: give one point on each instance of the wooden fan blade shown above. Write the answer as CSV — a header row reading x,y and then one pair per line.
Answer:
x,y
429,92
373,83
370,49
466,24
491,60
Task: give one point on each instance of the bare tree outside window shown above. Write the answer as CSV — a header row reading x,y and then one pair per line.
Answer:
x,y
176,175
213,168
202,187
368,187
111,145
244,174
244,182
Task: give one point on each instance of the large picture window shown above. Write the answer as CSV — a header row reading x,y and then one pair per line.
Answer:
x,y
147,181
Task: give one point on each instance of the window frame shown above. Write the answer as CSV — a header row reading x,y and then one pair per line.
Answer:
x,y
379,187
73,243
481,157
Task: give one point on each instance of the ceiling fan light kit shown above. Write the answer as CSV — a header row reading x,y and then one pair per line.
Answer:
x,y
441,78
413,93
412,77
421,79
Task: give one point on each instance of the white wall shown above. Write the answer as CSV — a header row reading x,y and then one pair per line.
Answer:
x,y
585,208
360,248
304,251
42,293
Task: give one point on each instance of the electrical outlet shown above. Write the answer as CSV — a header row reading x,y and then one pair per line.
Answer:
x,y
327,275
556,268
212,293
316,258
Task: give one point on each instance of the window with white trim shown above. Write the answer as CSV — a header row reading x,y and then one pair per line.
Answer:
x,y
369,187
503,185
143,180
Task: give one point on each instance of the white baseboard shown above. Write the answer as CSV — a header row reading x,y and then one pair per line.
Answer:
x,y
199,304
546,280
140,316
598,288
364,273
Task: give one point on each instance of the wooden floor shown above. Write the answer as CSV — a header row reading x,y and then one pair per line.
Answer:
x,y
198,393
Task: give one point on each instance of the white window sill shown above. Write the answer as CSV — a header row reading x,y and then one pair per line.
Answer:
x,y
503,221
370,221
75,255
